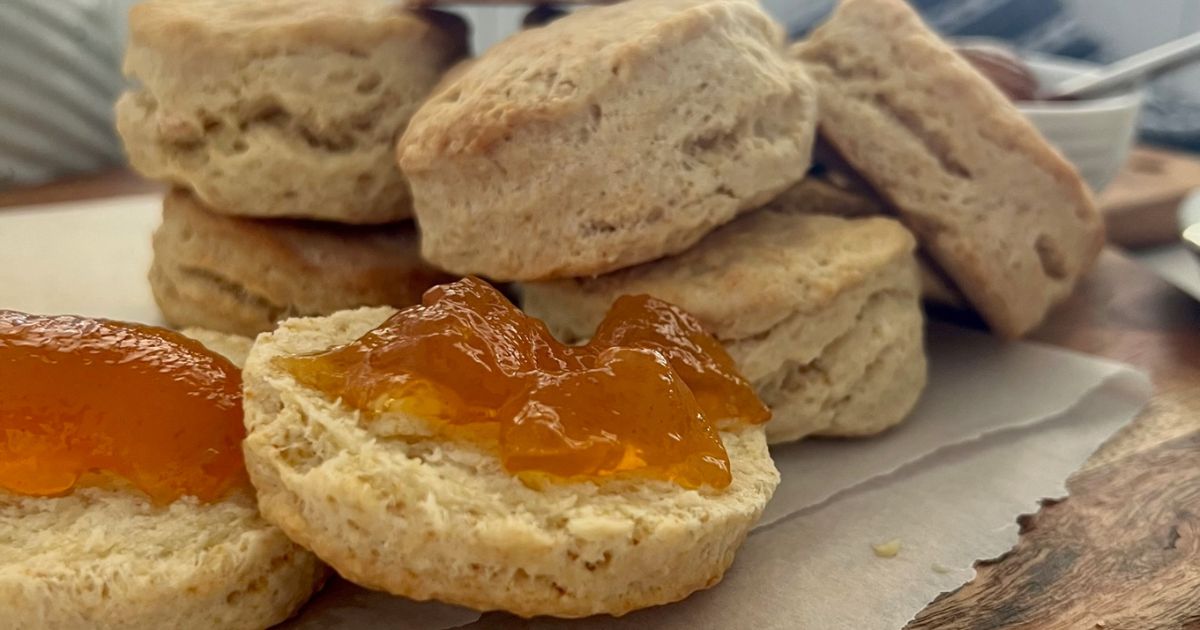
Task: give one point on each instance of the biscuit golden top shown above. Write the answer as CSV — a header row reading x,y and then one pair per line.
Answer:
x,y
544,73
271,25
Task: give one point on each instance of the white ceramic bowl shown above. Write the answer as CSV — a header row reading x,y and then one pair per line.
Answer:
x,y
1094,134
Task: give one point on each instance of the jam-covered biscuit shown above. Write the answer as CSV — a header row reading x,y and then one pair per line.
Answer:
x,y
123,499
582,497
644,398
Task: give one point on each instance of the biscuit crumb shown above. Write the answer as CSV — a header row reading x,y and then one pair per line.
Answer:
x,y
888,549
938,567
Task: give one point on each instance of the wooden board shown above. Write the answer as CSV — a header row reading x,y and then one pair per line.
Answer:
x,y
1122,550
1141,204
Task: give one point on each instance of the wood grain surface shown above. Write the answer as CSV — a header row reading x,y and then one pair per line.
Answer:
x,y
1123,550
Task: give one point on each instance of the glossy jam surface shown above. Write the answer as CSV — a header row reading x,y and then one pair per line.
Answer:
x,y
644,398
82,396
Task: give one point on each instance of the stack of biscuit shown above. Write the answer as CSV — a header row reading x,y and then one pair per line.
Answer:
x,y
606,139
643,148
274,121
662,147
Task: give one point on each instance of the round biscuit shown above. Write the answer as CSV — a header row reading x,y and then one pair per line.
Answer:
x,y
281,108
393,508
612,136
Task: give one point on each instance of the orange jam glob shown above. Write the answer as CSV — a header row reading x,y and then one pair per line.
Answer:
x,y
81,396
644,398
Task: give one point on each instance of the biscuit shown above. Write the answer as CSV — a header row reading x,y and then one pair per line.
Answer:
x,y
281,108
242,275
999,209
396,510
109,558
828,193
821,314
610,137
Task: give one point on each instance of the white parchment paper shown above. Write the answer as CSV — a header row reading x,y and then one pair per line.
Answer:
x,y
1000,426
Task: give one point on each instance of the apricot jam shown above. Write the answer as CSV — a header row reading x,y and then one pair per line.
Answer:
x,y
644,398
82,396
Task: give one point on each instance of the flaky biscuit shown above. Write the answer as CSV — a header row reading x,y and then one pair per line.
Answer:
x,y
825,194
281,108
394,508
111,559
999,209
612,136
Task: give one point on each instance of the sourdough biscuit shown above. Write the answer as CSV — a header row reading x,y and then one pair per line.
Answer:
x,y
998,208
109,558
281,108
392,508
821,314
612,136
242,275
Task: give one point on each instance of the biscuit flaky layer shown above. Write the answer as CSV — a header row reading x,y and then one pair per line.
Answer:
x,y
241,276
612,136
999,209
395,509
821,314
281,108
